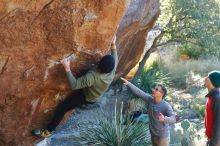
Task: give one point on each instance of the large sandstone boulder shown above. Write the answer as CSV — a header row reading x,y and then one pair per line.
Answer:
x,y
36,34
134,27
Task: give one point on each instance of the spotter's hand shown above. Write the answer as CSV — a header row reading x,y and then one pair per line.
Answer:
x,y
124,80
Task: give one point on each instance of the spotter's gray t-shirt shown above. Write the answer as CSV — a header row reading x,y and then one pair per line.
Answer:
x,y
157,128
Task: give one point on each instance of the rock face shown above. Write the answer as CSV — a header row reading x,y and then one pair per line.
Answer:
x,y
135,25
36,34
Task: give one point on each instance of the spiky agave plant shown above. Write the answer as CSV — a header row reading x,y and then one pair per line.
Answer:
x,y
114,131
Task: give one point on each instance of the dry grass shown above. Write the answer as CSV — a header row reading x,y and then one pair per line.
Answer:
x,y
181,69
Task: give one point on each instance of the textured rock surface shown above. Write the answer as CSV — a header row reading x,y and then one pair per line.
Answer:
x,y
35,34
132,32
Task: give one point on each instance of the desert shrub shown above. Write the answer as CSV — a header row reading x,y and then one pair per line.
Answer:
x,y
114,131
136,104
192,53
199,108
186,134
189,133
151,76
179,70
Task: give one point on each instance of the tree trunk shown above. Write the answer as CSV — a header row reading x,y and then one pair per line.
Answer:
x,y
152,49
143,61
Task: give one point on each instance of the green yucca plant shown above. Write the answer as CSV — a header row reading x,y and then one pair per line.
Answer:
x,y
114,131
151,76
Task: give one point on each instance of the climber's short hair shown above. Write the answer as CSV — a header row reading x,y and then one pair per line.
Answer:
x,y
107,64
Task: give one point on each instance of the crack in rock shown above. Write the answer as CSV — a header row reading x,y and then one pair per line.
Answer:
x,y
3,63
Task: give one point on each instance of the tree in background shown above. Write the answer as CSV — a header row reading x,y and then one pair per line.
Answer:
x,y
194,25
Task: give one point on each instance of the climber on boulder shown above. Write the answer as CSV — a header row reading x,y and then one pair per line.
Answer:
x,y
88,88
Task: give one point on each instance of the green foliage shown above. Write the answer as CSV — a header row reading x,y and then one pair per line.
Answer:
x,y
191,23
192,53
200,108
189,133
149,77
137,104
185,125
116,132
